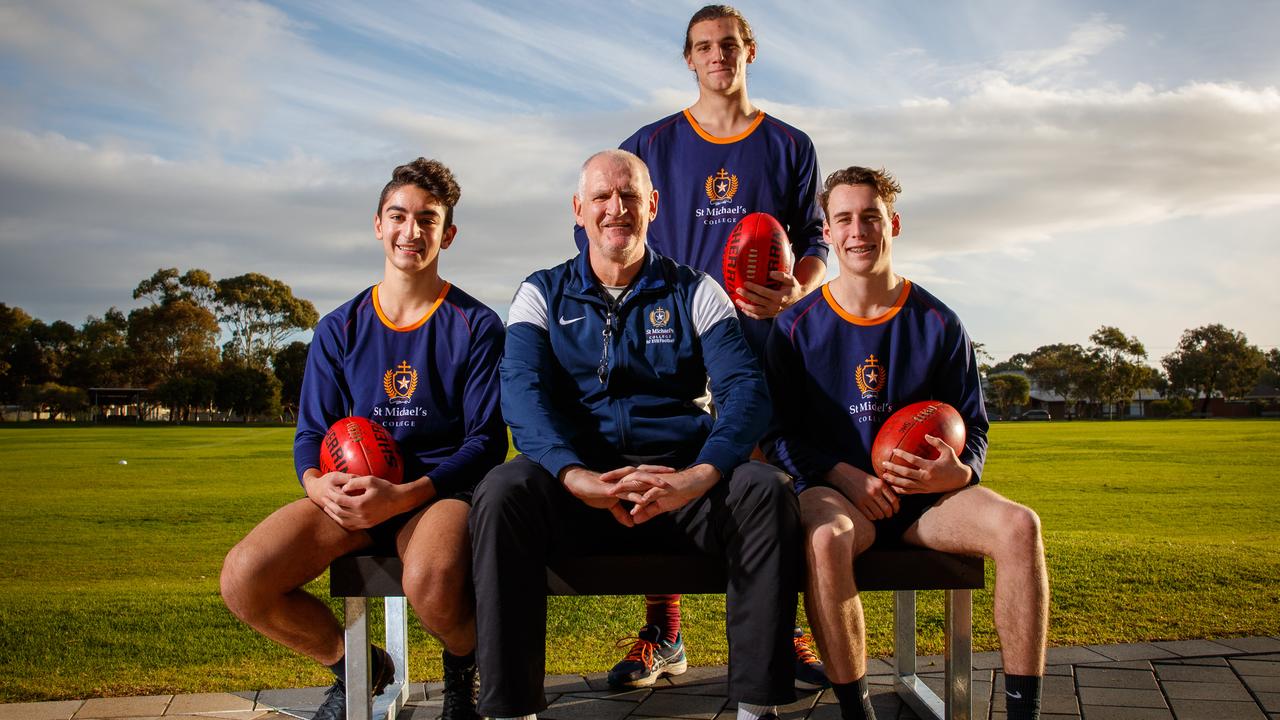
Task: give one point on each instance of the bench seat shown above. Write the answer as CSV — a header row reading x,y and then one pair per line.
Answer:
x,y
360,576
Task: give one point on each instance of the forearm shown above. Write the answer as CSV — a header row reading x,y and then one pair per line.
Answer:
x,y
700,474
850,481
412,495
312,486
810,272
738,386
694,481
483,450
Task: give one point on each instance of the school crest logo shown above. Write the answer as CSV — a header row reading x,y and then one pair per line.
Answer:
x,y
870,377
721,187
400,383
659,317
658,333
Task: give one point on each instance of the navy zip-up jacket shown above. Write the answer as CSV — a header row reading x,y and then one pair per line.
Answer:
x,y
589,382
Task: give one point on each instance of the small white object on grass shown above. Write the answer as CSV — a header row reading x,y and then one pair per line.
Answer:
x,y
123,462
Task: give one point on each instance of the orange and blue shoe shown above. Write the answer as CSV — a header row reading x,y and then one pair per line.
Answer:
x,y
650,658
810,673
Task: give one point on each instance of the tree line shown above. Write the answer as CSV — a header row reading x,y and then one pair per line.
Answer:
x,y
1102,377
169,346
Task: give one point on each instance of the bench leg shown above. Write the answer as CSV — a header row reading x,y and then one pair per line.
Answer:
x,y
388,704
356,622
922,700
959,654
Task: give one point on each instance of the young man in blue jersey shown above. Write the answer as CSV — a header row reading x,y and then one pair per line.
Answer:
x,y
713,163
420,357
839,363
604,384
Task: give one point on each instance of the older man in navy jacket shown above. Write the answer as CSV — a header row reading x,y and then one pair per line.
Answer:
x,y
605,388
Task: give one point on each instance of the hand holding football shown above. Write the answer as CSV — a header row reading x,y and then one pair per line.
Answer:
x,y
906,428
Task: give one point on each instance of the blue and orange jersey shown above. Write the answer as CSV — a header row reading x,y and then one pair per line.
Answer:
x,y
835,378
706,184
432,383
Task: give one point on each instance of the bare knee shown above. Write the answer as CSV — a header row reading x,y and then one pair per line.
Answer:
x,y
1019,530
250,582
439,593
831,542
236,583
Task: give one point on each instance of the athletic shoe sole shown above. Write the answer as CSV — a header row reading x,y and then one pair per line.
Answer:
x,y
802,685
677,668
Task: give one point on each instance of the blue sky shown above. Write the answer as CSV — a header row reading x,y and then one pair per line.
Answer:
x,y
1065,165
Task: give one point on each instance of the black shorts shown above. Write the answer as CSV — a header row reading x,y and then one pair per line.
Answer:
x,y
890,530
384,533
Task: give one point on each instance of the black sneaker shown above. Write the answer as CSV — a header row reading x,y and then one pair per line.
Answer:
x,y
461,689
810,672
650,658
382,673
335,702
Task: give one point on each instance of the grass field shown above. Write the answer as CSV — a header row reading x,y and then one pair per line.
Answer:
x,y
108,572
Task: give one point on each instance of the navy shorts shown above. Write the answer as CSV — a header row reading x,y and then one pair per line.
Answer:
x,y
384,533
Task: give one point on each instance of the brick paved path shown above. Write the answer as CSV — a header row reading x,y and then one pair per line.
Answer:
x,y
1234,679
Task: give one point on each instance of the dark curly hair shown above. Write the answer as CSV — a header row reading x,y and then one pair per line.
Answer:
x,y
886,187
715,12
430,175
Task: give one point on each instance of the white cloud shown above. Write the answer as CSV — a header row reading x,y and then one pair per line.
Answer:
x,y
1086,40
1012,164
1029,174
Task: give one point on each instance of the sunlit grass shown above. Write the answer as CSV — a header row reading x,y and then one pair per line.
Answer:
x,y
108,572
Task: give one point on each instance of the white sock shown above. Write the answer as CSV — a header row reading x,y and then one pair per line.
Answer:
x,y
747,711
522,717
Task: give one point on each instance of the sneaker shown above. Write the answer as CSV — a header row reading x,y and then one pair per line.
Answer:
x,y
810,673
383,672
650,658
461,690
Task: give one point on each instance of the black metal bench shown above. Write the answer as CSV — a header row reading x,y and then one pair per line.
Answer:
x,y
358,577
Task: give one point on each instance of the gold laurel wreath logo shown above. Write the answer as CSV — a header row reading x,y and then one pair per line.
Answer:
x,y
659,317
710,188
866,387
389,384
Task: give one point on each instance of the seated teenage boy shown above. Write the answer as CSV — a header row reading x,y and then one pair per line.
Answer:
x,y
839,363
420,357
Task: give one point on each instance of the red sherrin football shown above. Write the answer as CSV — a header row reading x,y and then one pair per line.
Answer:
x,y
360,446
907,427
757,246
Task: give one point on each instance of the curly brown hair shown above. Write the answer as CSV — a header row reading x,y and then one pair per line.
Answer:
x,y
715,12
887,188
430,175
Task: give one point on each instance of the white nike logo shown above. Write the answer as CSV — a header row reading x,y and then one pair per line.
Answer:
x,y
1013,695
570,322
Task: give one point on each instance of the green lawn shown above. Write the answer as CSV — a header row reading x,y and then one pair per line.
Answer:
x,y
108,572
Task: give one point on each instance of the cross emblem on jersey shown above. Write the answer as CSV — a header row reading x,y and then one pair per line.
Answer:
x,y
721,186
400,383
870,377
